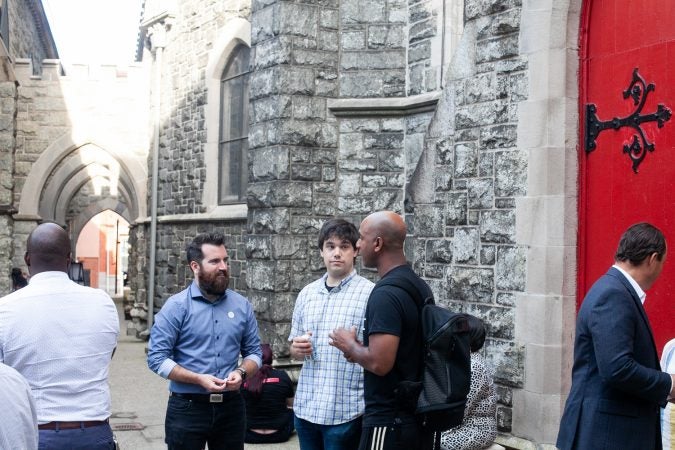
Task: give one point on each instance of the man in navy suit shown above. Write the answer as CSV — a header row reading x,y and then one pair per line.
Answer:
x,y
617,385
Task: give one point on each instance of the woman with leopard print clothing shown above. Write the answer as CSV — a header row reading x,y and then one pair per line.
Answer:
x,y
479,427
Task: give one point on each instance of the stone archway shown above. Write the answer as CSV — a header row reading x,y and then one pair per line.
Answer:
x,y
68,164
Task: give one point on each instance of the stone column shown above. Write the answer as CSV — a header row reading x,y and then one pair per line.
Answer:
x,y
292,157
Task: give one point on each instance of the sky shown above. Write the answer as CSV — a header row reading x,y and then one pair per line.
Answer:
x,y
94,31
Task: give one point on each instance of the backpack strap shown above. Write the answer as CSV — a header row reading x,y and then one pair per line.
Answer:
x,y
407,286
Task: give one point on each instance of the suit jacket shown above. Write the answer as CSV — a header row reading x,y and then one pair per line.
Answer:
x,y
617,384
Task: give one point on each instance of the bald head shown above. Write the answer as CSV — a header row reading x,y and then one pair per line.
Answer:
x,y
48,249
381,241
389,226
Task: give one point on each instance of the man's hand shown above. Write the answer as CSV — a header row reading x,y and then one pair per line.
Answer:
x,y
345,341
301,346
211,383
233,381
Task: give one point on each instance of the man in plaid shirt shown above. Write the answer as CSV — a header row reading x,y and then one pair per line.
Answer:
x,y
329,398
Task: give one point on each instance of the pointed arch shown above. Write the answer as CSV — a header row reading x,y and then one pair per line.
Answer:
x,y
132,173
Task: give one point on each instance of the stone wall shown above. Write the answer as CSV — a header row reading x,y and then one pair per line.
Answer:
x,y
462,208
7,140
25,39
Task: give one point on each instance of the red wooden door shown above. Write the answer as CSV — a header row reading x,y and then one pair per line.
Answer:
x,y
618,37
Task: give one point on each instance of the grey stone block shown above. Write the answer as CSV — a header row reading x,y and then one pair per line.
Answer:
x,y
498,226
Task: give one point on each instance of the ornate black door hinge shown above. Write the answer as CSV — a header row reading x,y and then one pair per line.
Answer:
x,y
638,90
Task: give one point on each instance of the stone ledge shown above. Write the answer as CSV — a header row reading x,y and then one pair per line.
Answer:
x,y
368,107
233,213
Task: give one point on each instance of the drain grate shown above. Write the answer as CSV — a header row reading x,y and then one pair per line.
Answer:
x,y
130,426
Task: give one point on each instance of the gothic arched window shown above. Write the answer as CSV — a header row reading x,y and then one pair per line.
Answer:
x,y
233,136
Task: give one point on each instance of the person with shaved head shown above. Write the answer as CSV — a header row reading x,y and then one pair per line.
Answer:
x,y
392,340
61,336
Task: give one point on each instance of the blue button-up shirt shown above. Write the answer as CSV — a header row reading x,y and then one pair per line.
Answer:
x,y
202,336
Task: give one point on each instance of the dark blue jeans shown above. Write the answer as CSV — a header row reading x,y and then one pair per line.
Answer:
x,y
191,424
344,436
92,438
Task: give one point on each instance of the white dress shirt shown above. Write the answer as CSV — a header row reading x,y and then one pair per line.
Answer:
x,y
60,336
18,420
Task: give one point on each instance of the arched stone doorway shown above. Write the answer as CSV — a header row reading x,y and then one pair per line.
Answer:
x,y
77,178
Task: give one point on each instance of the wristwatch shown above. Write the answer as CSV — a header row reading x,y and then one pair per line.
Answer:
x,y
242,372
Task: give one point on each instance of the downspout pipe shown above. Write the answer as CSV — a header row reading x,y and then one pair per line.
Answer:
x,y
157,43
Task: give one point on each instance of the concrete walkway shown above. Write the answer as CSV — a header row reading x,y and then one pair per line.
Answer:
x,y
139,399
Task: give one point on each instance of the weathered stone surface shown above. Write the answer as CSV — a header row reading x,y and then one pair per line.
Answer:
x,y
507,360
499,322
466,160
428,220
384,59
510,268
362,11
488,255
419,51
500,136
477,8
456,205
260,275
258,247
279,193
273,52
466,245
439,251
482,114
288,247
269,163
386,36
505,23
498,226
470,284
511,168
269,221
481,193
497,48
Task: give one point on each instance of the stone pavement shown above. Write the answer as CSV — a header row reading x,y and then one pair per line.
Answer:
x,y
139,399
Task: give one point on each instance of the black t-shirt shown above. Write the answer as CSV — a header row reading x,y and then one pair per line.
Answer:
x,y
269,411
391,310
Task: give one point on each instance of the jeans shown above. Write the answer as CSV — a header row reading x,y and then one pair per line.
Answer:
x,y
344,436
93,438
191,424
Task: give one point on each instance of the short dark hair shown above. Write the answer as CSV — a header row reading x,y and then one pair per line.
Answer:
x,y
638,242
194,248
340,228
476,332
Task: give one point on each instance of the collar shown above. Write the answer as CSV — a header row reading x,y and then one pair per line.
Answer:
x,y
196,294
49,275
343,282
642,295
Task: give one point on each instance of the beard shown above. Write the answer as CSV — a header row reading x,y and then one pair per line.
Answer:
x,y
215,283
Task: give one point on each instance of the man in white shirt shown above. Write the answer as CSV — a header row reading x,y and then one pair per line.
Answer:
x,y
61,336
18,421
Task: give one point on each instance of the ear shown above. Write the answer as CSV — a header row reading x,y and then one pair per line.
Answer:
x,y
26,259
194,266
379,244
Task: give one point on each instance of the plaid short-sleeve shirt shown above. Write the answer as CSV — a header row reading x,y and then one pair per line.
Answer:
x,y
330,389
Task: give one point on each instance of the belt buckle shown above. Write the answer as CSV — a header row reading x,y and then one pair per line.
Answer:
x,y
216,398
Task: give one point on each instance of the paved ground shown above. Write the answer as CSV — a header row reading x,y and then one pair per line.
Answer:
x,y
139,398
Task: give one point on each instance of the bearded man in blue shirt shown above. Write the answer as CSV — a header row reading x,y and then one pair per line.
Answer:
x,y
196,342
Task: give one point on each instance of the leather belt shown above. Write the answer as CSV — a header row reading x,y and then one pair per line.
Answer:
x,y
205,398
71,425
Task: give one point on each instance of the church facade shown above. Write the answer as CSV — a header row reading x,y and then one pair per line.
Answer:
x,y
260,119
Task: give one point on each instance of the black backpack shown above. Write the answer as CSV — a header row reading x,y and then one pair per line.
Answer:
x,y
438,398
